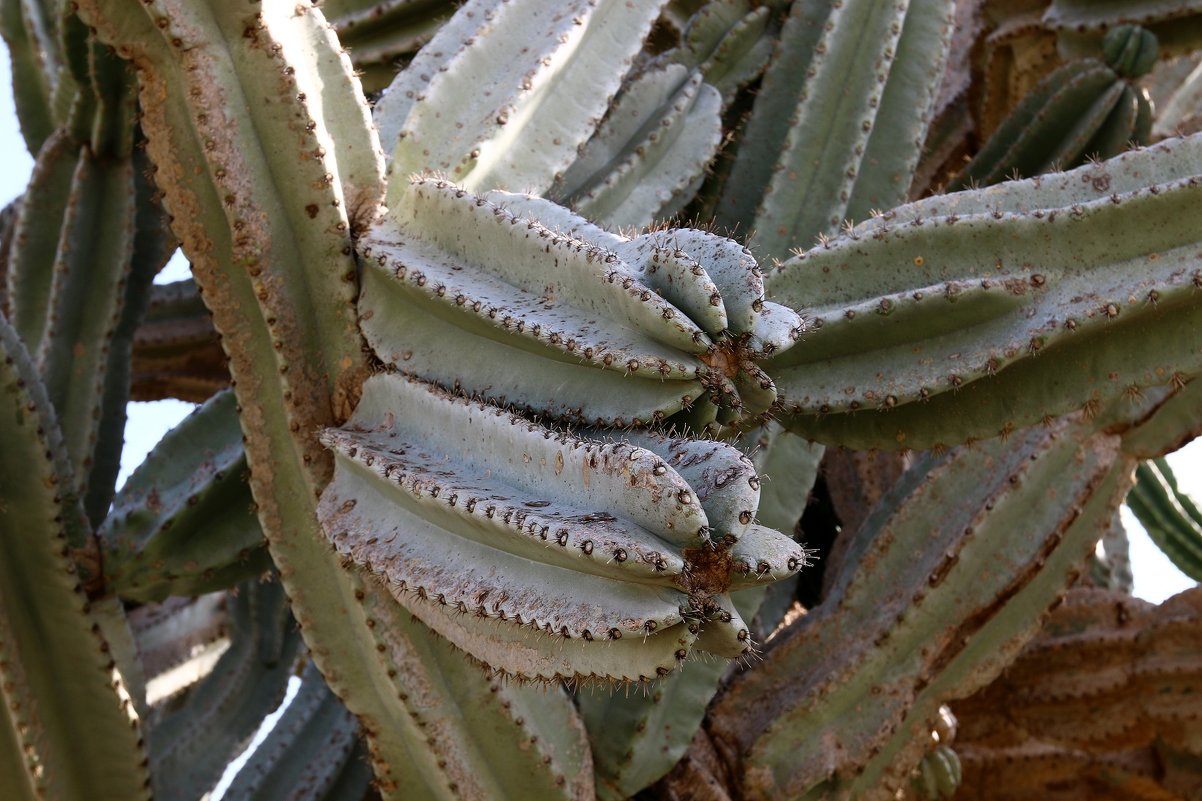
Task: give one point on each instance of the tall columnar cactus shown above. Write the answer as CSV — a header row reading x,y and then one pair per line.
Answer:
x,y
514,474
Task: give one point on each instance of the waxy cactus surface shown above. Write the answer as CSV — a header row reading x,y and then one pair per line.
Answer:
x,y
521,331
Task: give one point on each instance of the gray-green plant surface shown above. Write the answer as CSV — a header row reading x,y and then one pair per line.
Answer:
x,y
534,339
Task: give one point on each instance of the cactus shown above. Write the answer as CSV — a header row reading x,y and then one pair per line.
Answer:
x,y
176,351
1168,515
539,493
1085,109
1106,701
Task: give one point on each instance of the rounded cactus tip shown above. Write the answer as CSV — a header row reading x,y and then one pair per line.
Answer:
x,y
1130,50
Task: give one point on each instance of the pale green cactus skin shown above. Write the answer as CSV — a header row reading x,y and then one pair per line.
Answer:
x,y
629,331
505,536
513,473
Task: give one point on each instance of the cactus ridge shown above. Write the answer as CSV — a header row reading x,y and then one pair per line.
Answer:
x,y
729,42
1104,13
380,35
48,197
497,549
169,633
27,30
613,303
90,271
472,734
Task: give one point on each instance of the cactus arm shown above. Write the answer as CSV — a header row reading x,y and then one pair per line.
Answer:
x,y
949,611
381,35
1174,526
311,754
184,522
984,409
240,180
257,302
995,646
510,109
638,736
91,272
1088,15
1031,138
167,634
176,351
462,270
1133,171
907,107
730,43
648,157
31,82
191,746
58,675
533,550
50,196
152,247
774,107
1075,254
827,103
1128,123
